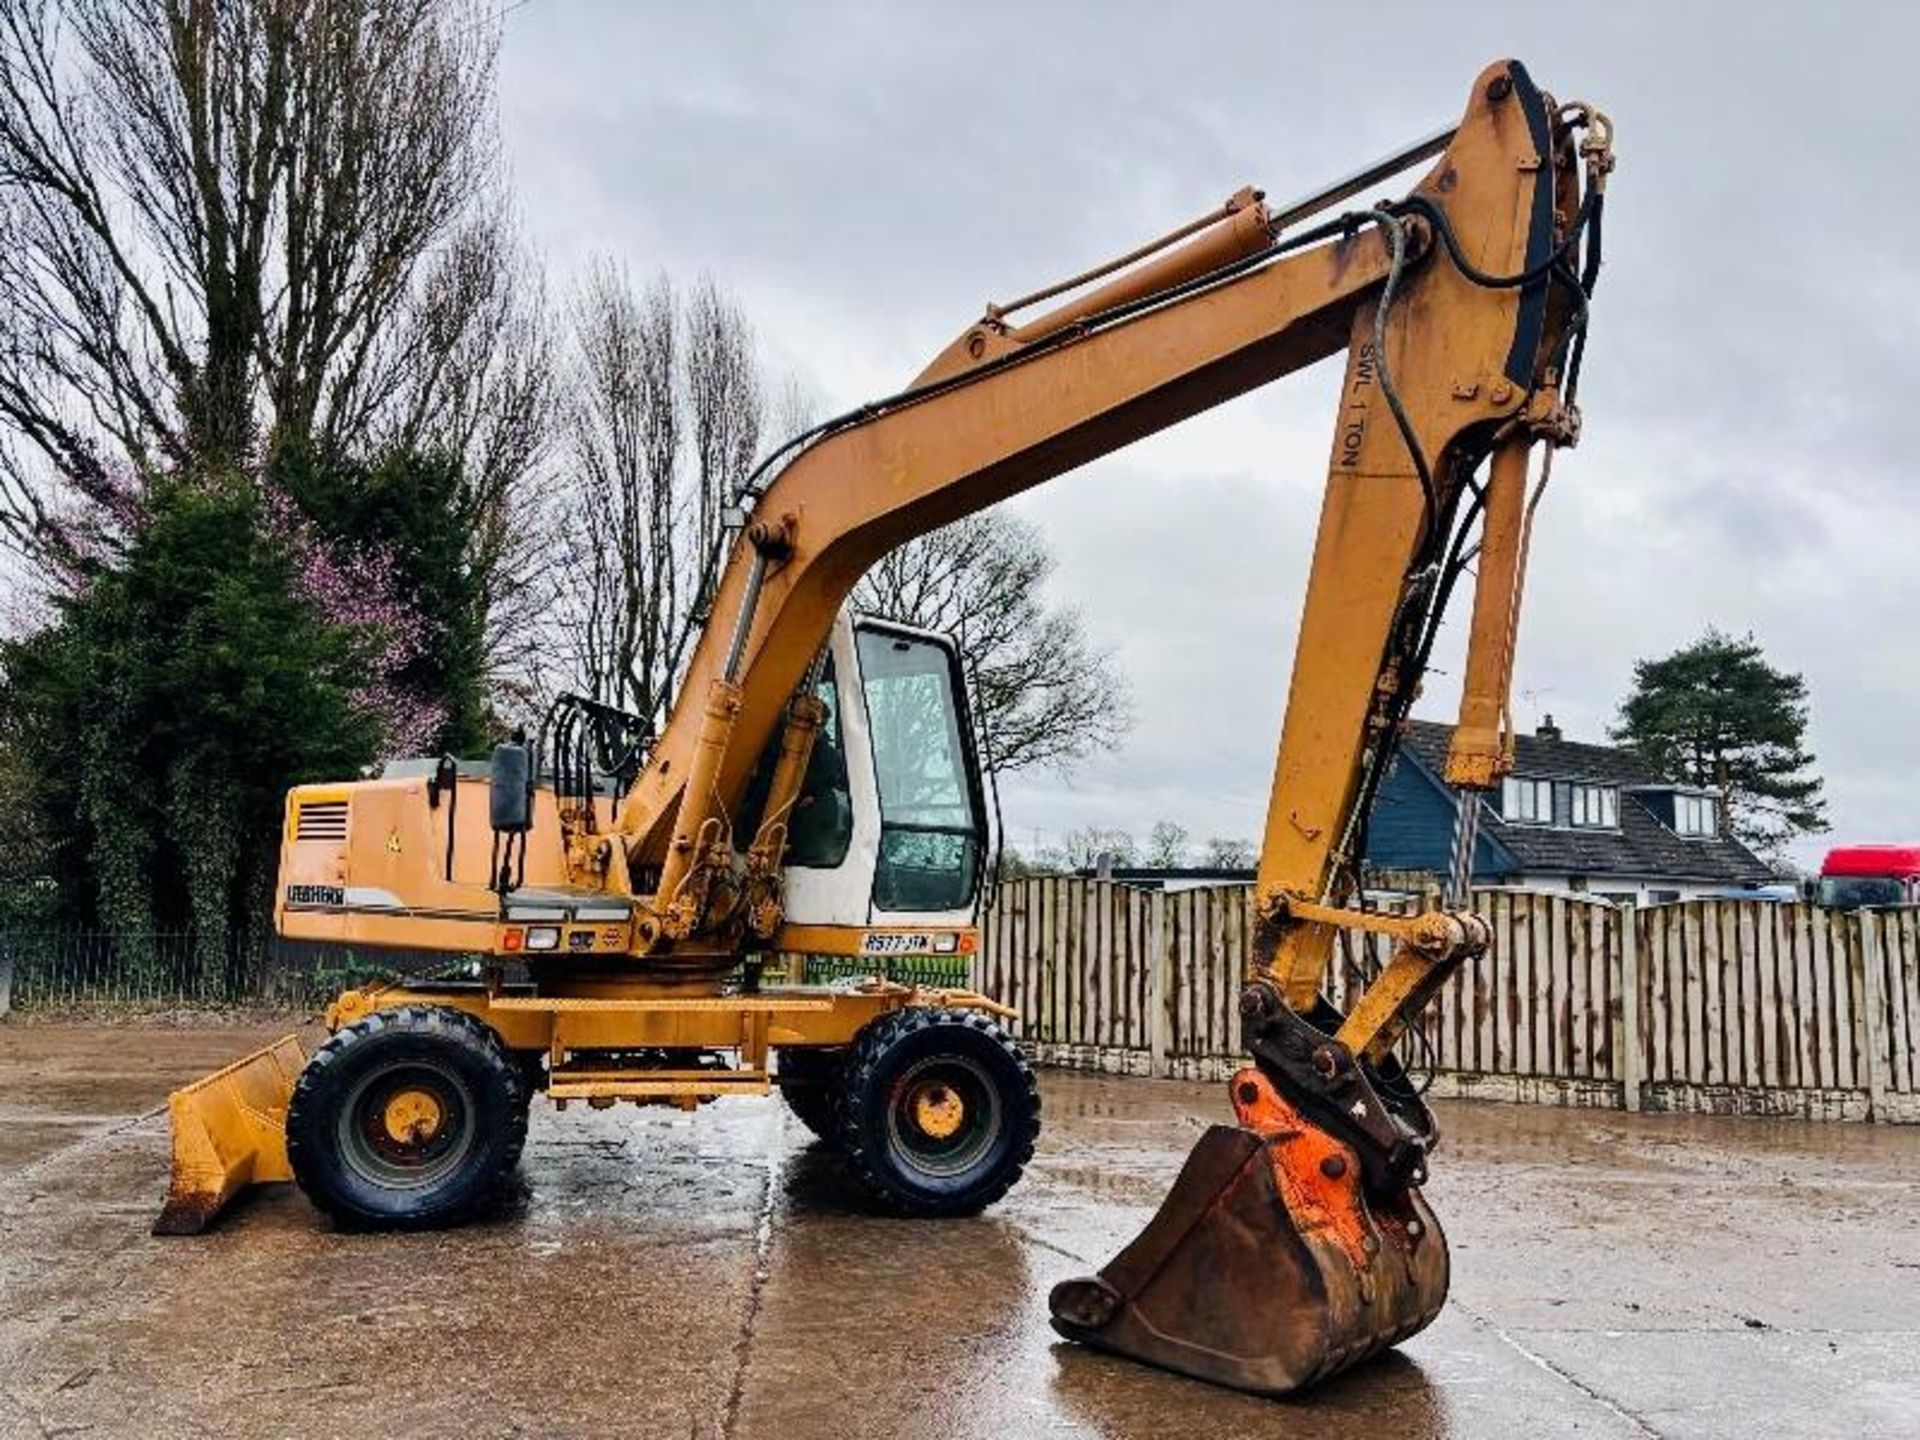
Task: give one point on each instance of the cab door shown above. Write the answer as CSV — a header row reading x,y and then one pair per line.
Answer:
x,y
890,826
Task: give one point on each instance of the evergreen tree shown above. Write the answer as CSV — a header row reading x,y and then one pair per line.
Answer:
x,y
246,636
417,511
152,729
1717,715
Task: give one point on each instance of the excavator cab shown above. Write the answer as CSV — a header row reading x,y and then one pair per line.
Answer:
x,y
890,823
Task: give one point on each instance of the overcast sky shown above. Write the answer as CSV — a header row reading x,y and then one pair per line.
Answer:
x,y
866,176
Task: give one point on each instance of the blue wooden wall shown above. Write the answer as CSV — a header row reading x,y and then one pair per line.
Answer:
x,y
1412,827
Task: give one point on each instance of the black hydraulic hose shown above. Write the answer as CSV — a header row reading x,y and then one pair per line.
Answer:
x,y
1589,277
1435,612
1590,273
1443,226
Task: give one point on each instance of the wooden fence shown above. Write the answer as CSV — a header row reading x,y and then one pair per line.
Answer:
x,y
1743,1007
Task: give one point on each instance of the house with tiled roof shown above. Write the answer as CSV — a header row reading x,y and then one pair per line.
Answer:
x,y
1571,817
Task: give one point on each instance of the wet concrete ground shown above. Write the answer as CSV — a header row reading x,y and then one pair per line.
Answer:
x,y
664,1275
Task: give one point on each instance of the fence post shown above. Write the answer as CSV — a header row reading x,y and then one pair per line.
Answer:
x,y
1871,1035
1159,1040
1629,1044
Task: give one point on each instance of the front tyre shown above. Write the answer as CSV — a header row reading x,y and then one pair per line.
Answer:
x,y
937,1111
409,1118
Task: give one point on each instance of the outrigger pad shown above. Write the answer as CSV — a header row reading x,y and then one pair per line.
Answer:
x,y
1228,1284
229,1131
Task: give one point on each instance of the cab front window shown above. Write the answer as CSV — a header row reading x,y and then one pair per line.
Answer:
x,y
931,828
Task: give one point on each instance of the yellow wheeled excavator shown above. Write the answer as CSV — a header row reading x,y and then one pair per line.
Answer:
x,y
619,894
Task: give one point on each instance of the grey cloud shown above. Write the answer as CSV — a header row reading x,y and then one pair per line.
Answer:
x,y
868,175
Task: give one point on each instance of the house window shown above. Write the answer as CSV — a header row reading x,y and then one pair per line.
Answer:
x,y
1526,802
1694,815
1596,807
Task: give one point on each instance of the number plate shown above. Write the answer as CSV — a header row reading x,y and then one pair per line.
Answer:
x,y
909,942
896,944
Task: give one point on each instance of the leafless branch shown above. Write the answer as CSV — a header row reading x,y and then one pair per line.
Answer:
x,y
229,225
1044,695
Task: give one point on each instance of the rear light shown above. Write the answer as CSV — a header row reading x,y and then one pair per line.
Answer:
x,y
543,937
512,939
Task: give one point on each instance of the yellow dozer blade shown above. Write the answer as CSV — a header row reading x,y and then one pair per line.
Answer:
x,y
229,1132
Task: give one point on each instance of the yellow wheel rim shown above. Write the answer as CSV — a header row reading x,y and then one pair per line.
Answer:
x,y
938,1111
413,1116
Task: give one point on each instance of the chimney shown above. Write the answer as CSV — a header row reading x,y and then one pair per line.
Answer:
x,y
1548,730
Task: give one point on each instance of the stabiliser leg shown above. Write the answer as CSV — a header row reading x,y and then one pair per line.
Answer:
x,y
1285,1252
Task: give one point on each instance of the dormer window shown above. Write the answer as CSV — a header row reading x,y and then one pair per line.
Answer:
x,y
1525,801
1695,815
1595,807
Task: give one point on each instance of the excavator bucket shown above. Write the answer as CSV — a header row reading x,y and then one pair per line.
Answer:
x,y
1267,1268
229,1131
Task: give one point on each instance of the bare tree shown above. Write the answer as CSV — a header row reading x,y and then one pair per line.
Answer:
x,y
1084,849
662,425
1043,694
468,368
1167,845
724,404
229,224
1224,853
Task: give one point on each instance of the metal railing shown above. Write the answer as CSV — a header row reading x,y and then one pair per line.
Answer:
x,y
65,970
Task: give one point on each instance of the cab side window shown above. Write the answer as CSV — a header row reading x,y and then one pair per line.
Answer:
x,y
820,825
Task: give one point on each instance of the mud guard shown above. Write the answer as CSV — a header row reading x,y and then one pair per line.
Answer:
x,y
229,1132
1267,1268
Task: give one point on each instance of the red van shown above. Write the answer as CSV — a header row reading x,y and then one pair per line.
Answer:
x,y
1853,876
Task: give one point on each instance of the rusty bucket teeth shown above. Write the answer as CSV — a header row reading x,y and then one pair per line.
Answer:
x,y
1248,1278
229,1132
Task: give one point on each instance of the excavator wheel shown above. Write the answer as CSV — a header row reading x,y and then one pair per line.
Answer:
x,y
937,1111
809,1083
408,1119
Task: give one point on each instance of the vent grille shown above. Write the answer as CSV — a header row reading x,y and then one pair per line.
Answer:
x,y
322,820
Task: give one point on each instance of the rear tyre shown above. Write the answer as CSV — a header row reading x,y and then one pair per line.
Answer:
x,y
938,1111
408,1119
809,1083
